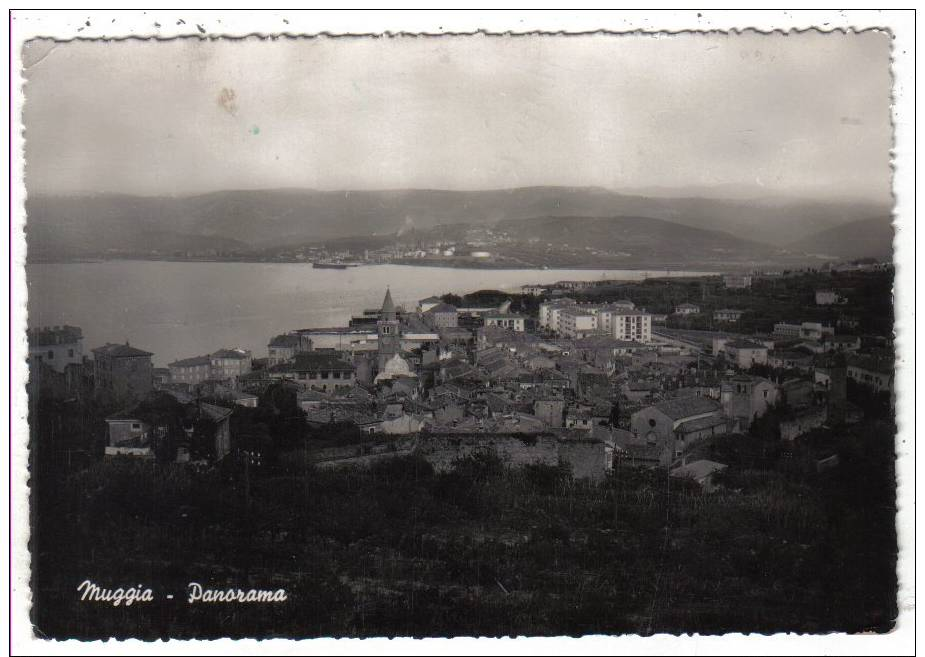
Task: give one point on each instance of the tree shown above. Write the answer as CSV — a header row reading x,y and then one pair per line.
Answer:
x,y
615,413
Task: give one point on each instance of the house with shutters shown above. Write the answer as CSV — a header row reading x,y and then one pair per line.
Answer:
x,y
324,371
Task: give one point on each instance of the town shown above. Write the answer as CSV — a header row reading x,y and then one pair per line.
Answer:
x,y
604,384
601,380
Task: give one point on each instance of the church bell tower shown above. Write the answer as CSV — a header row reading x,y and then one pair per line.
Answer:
x,y
389,331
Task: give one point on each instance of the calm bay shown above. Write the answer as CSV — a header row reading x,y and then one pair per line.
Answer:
x,y
181,309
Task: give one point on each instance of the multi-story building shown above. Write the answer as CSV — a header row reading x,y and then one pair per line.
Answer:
x,y
687,309
832,343
191,371
619,320
805,331
230,363
737,281
549,313
533,290
827,297
745,398
123,370
285,347
874,372
727,315
790,359
745,353
575,322
508,321
56,346
319,371
442,316
629,325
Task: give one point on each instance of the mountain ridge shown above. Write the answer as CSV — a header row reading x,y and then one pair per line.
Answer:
x,y
276,217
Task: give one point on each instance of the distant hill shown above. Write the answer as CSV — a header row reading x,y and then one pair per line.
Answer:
x,y
866,238
61,229
571,242
627,234
266,218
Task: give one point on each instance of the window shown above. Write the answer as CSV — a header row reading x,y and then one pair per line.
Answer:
x,y
136,426
70,353
51,355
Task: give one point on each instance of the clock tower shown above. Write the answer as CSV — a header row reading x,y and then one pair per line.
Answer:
x,y
389,331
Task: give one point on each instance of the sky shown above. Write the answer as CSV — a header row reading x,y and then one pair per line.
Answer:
x,y
802,114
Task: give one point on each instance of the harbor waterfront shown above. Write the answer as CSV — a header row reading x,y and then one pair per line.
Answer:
x,y
175,309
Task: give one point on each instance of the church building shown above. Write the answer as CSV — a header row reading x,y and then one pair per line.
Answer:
x,y
388,328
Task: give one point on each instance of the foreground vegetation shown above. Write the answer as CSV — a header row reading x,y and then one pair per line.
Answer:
x,y
401,550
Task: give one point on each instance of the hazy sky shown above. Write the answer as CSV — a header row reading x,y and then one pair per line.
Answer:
x,y
808,113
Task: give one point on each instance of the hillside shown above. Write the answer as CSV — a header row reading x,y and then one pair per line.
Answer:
x,y
627,234
69,226
867,238
564,242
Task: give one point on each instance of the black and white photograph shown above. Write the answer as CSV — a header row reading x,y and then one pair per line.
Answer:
x,y
482,334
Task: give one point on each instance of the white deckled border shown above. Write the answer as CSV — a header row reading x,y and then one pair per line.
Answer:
x,y
164,24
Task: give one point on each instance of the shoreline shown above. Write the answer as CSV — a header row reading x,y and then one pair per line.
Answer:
x,y
707,269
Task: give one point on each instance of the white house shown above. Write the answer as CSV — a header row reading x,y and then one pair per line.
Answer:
x,y
727,315
737,281
687,309
507,321
827,298
745,353
56,346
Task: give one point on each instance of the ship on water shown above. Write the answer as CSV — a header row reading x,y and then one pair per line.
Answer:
x,y
334,264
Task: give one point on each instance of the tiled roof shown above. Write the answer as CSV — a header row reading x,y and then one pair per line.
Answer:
x,y
642,452
120,351
702,423
195,361
310,362
52,335
789,355
238,354
698,469
745,344
215,413
677,409
442,308
413,324
122,415
633,312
